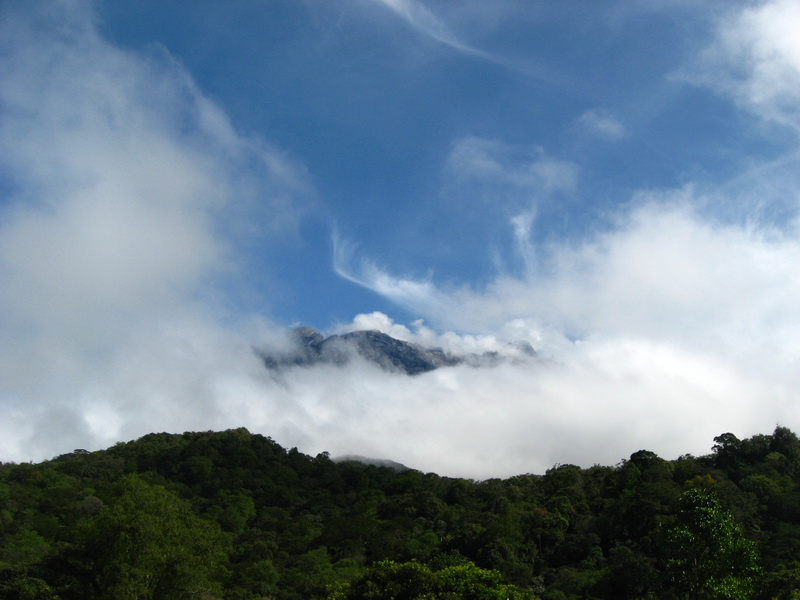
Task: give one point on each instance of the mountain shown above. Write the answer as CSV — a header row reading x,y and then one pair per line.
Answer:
x,y
309,347
374,462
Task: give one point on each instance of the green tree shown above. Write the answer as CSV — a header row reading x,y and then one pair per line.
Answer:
x,y
148,544
711,557
388,580
22,586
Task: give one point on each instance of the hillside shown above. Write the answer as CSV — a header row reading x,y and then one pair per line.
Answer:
x,y
233,515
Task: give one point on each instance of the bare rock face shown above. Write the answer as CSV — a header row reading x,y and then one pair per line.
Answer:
x,y
393,354
310,347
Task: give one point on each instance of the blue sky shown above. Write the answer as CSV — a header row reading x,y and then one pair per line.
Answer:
x,y
374,98
615,183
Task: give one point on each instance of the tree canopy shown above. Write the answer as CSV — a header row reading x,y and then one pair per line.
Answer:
x,y
234,516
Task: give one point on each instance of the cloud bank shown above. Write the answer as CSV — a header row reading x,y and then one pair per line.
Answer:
x,y
128,196
661,333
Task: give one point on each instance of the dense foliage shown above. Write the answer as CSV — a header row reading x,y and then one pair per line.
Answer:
x,y
235,516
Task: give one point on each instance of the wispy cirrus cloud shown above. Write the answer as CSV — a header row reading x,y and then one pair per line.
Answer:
x,y
425,22
366,273
508,183
479,160
421,19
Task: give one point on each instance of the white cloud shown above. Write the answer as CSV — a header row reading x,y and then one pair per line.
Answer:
x,y
601,123
128,192
475,159
597,404
756,59
661,332
662,271
523,225
503,342
366,273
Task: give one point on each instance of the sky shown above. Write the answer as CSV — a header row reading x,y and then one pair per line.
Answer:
x,y
615,183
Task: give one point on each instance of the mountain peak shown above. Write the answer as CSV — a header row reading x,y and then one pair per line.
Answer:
x,y
311,347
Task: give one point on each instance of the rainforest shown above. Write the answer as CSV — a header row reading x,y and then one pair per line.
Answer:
x,y
235,516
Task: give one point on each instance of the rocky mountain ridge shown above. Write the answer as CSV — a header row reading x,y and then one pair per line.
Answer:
x,y
311,347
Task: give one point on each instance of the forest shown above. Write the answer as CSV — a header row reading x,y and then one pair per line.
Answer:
x,y
234,516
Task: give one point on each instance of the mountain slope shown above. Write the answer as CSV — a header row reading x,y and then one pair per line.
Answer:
x,y
309,347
